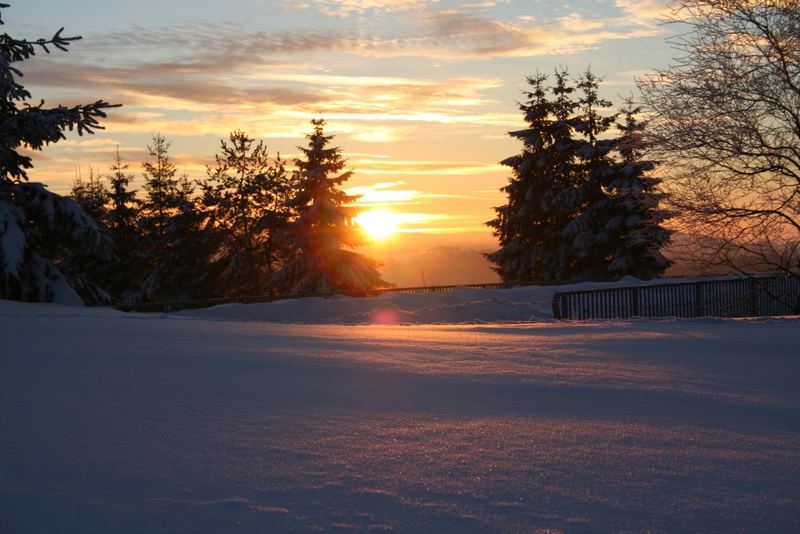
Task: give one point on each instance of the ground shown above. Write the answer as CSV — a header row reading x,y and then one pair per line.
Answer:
x,y
114,422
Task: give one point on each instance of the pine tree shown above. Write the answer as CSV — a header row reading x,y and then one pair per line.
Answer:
x,y
161,186
186,269
588,200
324,230
91,195
161,205
46,240
121,220
529,225
246,198
580,203
636,228
123,204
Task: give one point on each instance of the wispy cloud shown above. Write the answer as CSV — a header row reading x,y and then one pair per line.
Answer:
x,y
644,12
448,33
342,8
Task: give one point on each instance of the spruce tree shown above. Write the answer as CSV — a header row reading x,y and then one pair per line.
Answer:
x,y
91,195
588,199
529,225
245,197
121,221
581,205
123,208
187,269
161,186
637,225
46,241
160,209
324,229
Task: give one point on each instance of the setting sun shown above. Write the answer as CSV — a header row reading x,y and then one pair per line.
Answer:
x,y
377,224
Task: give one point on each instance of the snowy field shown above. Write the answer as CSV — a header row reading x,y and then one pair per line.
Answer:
x,y
219,421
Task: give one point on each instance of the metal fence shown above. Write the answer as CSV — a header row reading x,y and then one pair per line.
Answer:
x,y
743,297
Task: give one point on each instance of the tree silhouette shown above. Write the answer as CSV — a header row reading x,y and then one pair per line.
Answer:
x,y
245,198
581,205
323,229
45,240
726,125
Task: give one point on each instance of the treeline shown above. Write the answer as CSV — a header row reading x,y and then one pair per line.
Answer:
x,y
252,226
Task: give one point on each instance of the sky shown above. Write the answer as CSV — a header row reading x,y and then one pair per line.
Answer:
x,y
420,94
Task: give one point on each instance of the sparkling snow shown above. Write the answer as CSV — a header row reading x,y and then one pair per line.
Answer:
x,y
216,421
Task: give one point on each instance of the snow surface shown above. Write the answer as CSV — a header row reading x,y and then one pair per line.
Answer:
x,y
113,422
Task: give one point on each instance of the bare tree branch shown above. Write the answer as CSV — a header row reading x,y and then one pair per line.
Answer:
x,y
726,125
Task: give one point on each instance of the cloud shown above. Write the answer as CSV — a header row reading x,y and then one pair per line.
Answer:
x,y
408,168
140,83
467,32
208,79
644,12
267,101
343,8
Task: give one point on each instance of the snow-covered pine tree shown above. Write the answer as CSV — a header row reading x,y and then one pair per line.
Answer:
x,y
529,225
588,199
636,228
581,205
323,229
245,198
45,239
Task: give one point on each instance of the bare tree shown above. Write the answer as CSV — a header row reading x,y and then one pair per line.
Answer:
x,y
727,129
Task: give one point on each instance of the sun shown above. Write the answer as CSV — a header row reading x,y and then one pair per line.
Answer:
x,y
379,225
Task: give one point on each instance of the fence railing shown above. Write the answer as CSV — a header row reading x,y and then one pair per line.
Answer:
x,y
743,297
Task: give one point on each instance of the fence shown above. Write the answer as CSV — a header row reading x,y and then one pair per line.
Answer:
x,y
744,297
206,303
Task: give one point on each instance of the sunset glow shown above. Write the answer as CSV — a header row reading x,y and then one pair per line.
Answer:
x,y
420,94
378,225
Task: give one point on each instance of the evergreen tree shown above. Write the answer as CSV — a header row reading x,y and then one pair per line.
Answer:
x,y
161,186
580,203
636,228
46,240
161,208
588,199
529,225
186,269
323,229
121,221
91,195
246,198
124,205
123,208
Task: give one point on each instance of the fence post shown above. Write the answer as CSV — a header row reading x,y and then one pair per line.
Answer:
x,y
753,302
698,299
635,298
557,307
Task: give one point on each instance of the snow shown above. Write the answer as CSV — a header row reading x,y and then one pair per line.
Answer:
x,y
217,421
461,305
